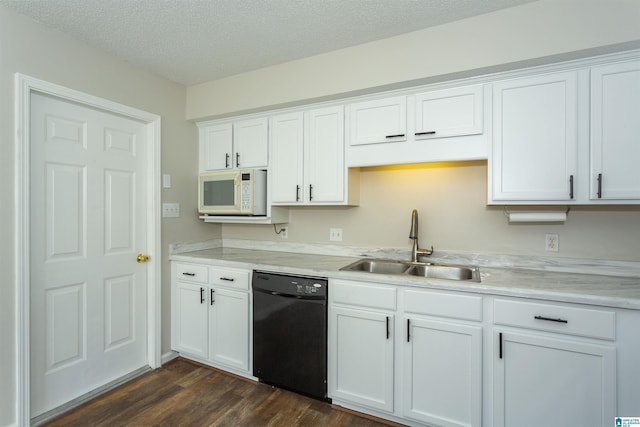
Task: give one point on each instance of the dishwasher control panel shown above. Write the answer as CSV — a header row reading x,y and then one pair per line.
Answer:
x,y
306,287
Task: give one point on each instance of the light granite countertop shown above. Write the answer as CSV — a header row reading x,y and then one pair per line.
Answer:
x,y
619,291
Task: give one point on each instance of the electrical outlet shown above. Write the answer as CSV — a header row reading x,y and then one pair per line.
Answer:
x,y
335,234
170,210
284,232
551,242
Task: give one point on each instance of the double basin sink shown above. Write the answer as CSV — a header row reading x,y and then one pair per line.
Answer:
x,y
416,269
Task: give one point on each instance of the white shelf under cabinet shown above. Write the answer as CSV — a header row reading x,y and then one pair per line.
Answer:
x,y
277,215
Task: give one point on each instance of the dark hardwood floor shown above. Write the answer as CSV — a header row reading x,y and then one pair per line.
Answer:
x,y
183,393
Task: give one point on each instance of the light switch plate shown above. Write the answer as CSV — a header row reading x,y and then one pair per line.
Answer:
x,y
166,180
170,210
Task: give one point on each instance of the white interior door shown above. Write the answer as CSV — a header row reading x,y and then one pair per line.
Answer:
x,y
88,207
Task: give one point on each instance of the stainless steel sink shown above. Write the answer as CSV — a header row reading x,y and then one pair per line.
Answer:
x,y
379,266
416,269
449,272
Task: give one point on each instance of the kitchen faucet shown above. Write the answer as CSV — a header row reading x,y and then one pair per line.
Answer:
x,y
413,235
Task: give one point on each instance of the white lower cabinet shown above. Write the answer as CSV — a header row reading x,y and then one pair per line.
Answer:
x,y
425,370
443,373
543,378
361,344
542,381
363,357
189,319
210,315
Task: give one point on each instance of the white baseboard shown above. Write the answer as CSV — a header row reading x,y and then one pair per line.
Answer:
x,y
169,356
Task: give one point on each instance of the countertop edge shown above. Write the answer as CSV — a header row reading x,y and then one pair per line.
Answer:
x,y
495,281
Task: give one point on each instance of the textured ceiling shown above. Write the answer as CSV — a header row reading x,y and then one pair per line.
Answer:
x,y
193,41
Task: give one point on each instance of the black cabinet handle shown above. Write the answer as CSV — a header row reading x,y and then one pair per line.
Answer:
x,y
571,187
237,160
189,274
226,160
228,279
297,193
500,340
310,192
599,186
213,296
408,330
395,136
431,132
201,295
549,319
387,327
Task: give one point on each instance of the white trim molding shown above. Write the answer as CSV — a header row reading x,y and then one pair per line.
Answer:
x,y
24,86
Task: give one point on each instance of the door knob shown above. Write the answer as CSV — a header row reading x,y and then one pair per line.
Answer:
x,y
142,258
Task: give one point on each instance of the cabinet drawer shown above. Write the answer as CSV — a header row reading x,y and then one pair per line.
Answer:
x,y
465,307
362,294
556,318
230,278
191,272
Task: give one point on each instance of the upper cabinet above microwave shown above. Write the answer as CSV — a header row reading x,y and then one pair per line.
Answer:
x,y
239,144
431,126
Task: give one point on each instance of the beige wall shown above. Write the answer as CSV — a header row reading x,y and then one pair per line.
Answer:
x,y
527,33
451,202
29,48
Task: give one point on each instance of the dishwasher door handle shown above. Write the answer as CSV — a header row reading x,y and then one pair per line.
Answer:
x,y
279,294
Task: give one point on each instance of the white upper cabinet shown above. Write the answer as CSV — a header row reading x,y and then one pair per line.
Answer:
x,y
242,144
307,159
535,139
324,170
250,143
448,112
378,121
287,157
430,126
615,130
216,146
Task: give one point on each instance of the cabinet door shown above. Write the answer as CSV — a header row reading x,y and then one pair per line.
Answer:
x,y
443,373
216,147
542,381
534,151
324,156
250,143
449,112
361,359
287,139
615,126
378,121
190,319
229,328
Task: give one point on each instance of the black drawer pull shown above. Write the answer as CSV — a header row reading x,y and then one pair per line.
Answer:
x,y
213,296
189,274
549,319
228,279
395,136
387,327
408,330
571,187
431,132
201,295
599,186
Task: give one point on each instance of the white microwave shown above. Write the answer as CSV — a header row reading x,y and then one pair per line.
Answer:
x,y
233,192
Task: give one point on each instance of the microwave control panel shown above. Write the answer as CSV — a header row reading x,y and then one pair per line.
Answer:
x,y
245,193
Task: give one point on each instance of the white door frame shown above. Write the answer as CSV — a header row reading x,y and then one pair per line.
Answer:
x,y
24,85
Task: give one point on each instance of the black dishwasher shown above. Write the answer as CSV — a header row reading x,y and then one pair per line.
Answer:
x,y
290,332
